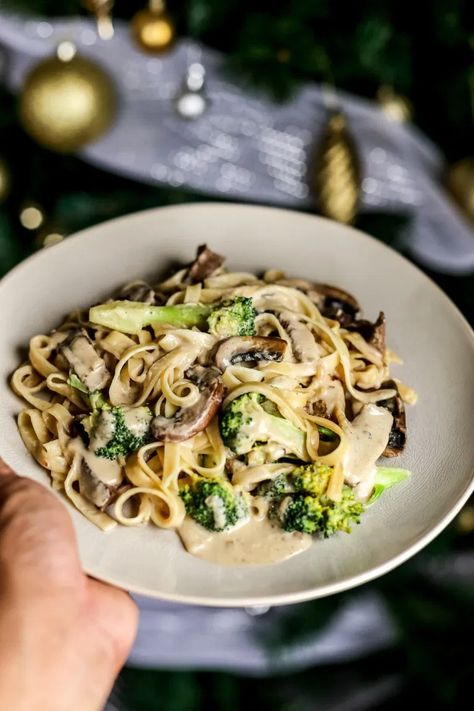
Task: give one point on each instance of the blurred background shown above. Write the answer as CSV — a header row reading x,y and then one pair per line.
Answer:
x,y
362,112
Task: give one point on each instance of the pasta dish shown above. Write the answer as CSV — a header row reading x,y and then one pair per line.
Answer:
x,y
246,412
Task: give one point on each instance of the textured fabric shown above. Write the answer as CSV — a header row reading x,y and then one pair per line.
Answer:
x,y
190,637
246,147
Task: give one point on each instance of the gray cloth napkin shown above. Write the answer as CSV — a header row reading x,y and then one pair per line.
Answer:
x,y
246,147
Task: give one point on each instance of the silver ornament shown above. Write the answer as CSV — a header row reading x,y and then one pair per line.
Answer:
x,y
192,102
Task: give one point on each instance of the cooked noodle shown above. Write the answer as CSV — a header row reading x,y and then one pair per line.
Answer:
x,y
328,372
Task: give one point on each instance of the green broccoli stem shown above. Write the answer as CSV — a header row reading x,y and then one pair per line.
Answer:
x,y
132,316
93,398
385,478
326,434
286,434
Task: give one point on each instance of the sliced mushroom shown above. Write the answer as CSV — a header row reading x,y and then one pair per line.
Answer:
x,y
188,421
95,490
100,480
336,304
398,434
137,291
333,302
305,348
373,333
318,408
204,265
82,357
246,349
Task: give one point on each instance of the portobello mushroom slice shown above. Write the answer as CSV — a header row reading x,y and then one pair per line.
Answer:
x,y
137,291
90,368
398,434
305,348
100,480
336,304
318,408
188,421
373,333
245,349
333,303
204,265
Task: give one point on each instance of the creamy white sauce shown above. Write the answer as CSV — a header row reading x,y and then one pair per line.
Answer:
x,y
217,506
103,430
332,394
257,542
105,470
256,427
137,420
260,428
367,438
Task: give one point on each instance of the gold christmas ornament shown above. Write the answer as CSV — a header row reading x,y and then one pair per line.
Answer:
x,y
459,182
465,520
153,29
395,106
283,55
5,180
102,9
337,172
31,217
67,101
50,238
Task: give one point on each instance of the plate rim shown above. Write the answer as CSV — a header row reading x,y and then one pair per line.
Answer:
x,y
324,590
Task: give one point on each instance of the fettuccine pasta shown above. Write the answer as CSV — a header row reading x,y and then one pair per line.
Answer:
x,y
215,396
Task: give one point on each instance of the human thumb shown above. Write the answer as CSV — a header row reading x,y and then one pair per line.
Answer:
x,y
37,541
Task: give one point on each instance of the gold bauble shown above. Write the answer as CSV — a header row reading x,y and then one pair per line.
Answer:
x,y
153,29
66,104
48,236
395,106
31,216
337,172
465,520
5,180
460,184
102,9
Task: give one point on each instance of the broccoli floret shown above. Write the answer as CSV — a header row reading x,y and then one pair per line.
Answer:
x,y
233,318
117,431
313,514
276,488
300,501
229,318
300,512
310,479
246,421
112,431
339,515
213,503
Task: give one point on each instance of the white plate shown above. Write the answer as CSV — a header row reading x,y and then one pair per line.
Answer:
x,y
423,326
